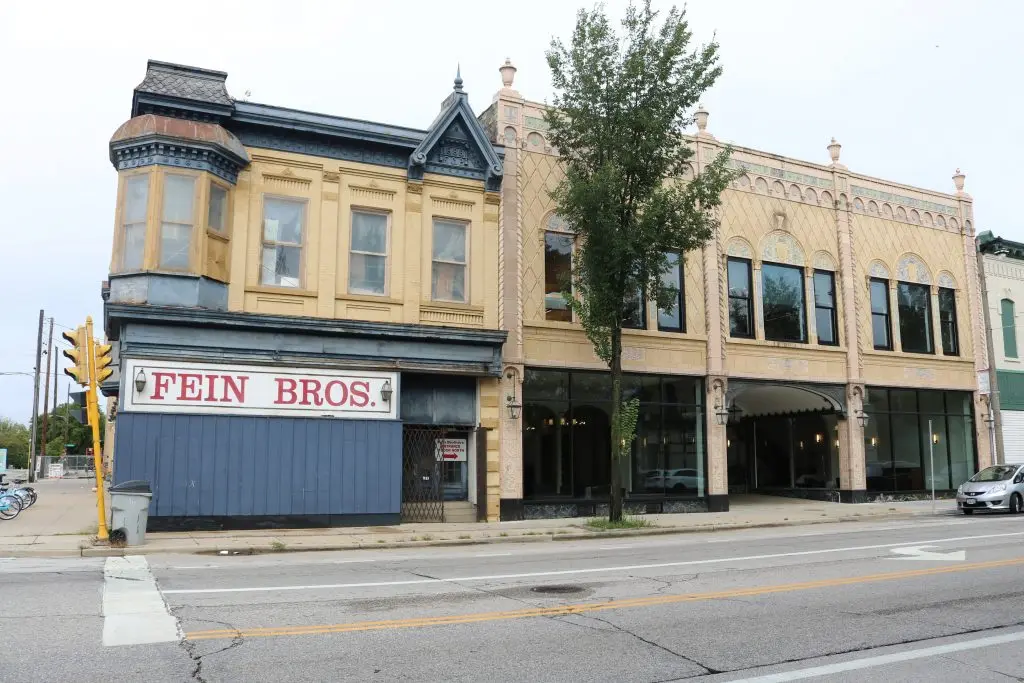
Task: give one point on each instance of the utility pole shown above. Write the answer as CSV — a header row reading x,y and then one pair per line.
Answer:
x,y
46,405
67,420
35,402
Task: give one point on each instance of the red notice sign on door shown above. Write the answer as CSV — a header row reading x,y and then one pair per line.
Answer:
x,y
450,450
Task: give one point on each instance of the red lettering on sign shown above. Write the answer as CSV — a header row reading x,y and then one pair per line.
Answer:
x,y
162,380
311,388
211,384
286,386
360,394
336,383
237,389
192,384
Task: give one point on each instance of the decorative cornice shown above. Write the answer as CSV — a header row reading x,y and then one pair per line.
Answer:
x,y
161,151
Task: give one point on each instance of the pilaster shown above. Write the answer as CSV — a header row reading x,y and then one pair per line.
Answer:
x,y
416,230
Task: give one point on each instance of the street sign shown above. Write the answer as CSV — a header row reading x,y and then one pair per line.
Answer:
x,y
450,450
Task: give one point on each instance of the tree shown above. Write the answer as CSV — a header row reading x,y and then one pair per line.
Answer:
x,y
14,437
620,108
61,424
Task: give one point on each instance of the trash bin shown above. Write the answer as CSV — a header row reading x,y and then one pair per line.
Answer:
x,y
129,510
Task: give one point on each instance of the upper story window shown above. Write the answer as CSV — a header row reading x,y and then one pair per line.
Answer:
x,y
282,242
176,227
741,312
915,309
368,256
1008,316
948,322
217,210
557,270
133,221
881,330
782,300
673,319
636,312
448,271
825,322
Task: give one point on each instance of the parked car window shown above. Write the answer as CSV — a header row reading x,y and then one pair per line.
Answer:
x,y
995,473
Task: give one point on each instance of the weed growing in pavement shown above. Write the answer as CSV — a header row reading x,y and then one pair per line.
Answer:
x,y
624,523
503,534
464,536
381,540
277,546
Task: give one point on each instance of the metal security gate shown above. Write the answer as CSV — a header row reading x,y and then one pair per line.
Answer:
x,y
422,485
1013,436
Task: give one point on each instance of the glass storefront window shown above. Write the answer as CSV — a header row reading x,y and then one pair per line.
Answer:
x,y
567,435
899,446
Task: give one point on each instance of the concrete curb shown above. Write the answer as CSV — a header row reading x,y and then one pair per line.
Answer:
x,y
576,533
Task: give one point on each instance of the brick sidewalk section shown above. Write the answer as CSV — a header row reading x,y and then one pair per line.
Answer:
x,y
62,524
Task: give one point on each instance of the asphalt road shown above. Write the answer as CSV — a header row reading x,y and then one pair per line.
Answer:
x,y
931,600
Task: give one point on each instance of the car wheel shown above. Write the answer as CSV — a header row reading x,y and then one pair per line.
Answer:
x,y
1016,504
968,512
679,487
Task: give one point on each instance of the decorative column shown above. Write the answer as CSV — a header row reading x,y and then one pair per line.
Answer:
x,y
714,303
853,294
508,131
976,316
415,228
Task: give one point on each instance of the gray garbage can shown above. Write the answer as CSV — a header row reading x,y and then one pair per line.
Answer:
x,y
129,510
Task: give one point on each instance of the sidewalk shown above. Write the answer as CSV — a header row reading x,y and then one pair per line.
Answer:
x,y
62,524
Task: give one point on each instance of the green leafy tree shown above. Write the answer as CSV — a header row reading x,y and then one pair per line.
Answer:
x,y
622,101
61,424
14,436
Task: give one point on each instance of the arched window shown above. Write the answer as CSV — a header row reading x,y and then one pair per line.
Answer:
x,y
1009,321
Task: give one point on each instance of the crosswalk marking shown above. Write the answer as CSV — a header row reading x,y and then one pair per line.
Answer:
x,y
134,611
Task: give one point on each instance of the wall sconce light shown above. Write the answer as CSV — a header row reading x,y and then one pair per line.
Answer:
x,y
140,380
818,438
515,408
863,418
728,443
386,392
721,414
935,438
874,441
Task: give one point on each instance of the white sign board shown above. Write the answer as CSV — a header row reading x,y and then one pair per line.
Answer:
x,y
55,470
450,450
3,459
181,387
984,386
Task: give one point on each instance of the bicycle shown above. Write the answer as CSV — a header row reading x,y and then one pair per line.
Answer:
x,y
25,495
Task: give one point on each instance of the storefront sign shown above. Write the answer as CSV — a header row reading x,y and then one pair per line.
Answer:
x,y
55,470
450,450
172,387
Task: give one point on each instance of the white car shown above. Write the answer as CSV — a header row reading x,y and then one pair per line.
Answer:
x,y
683,479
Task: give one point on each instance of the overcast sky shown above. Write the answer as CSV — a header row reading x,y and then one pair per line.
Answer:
x,y
912,90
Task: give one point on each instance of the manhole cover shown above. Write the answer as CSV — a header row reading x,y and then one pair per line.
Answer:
x,y
557,590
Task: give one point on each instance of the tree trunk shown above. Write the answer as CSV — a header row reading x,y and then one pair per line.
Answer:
x,y
615,500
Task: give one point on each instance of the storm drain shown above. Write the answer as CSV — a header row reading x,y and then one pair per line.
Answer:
x,y
557,589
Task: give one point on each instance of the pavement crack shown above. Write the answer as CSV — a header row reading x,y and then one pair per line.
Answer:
x,y
1012,677
707,670
190,648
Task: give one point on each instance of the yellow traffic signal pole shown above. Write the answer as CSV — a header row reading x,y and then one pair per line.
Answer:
x,y
92,407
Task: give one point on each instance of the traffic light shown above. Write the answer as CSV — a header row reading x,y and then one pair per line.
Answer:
x,y
102,361
79,369
78,414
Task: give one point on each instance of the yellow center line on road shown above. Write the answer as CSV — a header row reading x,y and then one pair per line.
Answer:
x,y
582,608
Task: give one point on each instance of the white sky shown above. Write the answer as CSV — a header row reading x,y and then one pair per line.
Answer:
x,y
912,90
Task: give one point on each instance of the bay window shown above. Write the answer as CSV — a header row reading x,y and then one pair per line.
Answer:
x,y
133,221
177,222
216,211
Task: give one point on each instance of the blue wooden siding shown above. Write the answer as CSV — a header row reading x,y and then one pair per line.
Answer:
x,y
220,465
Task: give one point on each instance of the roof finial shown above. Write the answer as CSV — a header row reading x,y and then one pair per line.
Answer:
x,y
958,181
508,73
833,151
458,77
